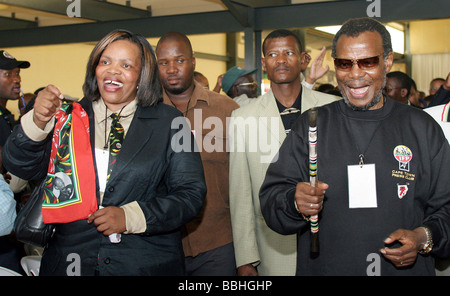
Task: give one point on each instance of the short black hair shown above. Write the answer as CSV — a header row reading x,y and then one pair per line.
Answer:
x,y
356,26
438,79
404,80
175,36
281,33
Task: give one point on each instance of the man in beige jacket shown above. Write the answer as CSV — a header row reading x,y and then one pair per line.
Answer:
x,y
257,131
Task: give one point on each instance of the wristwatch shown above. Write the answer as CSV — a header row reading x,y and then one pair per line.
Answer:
x,y
428,246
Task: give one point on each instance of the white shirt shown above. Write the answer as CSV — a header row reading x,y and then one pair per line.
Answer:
x,y
440,114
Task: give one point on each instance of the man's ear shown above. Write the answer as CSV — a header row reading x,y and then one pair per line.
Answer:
x,y
389,61
263,63
304,63
404,92
194,62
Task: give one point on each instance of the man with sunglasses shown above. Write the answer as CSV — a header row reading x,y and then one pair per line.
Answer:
x,y
382,197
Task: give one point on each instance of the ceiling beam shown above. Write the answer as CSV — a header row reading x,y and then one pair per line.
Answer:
x,y
199,23
325,13
240,12
265,18
14,23
89,9
265,3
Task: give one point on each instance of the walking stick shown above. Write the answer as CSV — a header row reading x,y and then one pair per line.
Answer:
x,y
312,138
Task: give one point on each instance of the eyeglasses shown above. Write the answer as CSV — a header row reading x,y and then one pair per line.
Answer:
x,y
247,83
363,64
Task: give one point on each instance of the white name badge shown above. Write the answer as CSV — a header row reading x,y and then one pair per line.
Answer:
x,y
362,190
102,158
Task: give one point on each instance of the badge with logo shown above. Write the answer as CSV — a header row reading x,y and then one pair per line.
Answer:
x,y
403,155
7,55
402,190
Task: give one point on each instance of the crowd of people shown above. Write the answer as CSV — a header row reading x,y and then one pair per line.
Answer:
x,y
193,181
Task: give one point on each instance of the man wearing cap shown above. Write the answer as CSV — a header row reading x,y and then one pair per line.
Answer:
x,y
258,249
9,90
239,85
10,251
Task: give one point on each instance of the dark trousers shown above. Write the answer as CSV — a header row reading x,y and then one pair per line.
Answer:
x,y
11,251
216,262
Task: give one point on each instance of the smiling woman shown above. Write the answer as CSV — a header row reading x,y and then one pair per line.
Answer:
x,y
125,177
140,56
117,74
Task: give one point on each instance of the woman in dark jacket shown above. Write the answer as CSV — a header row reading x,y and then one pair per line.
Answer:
x,y
130,215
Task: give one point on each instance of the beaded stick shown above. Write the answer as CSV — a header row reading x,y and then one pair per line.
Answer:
x,y
312,139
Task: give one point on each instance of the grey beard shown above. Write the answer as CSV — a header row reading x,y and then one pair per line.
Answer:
x,y
372,103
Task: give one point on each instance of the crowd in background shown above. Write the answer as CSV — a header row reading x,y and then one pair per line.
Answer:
x,y
199,212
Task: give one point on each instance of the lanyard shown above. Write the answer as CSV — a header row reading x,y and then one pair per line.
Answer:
x,y
352,135
355,143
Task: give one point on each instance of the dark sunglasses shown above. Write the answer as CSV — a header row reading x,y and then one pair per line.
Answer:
x,y
363,64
